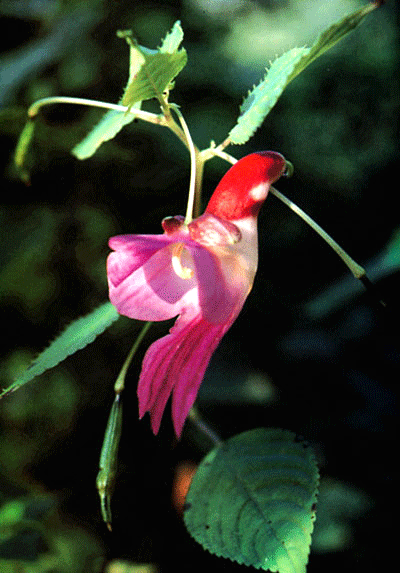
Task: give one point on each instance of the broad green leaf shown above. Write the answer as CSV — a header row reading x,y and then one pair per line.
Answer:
x,y
158,68
155,76
75,337
283,70
252,500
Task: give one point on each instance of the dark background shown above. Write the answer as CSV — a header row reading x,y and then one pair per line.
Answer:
x,y
323,363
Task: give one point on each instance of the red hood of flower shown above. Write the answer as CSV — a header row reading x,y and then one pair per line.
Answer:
x,y
233,199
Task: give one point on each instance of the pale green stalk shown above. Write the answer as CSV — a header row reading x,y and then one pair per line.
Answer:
x,y
204,428
193,161
357,270
145,115
120,382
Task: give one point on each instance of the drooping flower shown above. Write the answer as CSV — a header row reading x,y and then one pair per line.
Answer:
x,y
202,273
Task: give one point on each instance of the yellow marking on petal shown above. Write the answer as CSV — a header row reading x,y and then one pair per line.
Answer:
x,y
182,272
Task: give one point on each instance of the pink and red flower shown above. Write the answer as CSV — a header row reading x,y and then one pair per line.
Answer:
x,y
202,273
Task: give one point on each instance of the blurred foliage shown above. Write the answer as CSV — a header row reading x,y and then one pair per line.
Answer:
x,y
34,540
339,506
338,124
39,414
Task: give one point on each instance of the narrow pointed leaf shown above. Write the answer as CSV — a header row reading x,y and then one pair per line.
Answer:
x,y
75,337
284,69
334,33
108,127
22,149
112,121
252,500
263,97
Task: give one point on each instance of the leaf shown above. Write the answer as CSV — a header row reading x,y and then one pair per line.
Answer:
x,y
334,33
158,69
110,124
22,149
283,70
144,71
172,40
155,76
75,337
113,121
252,500
262,98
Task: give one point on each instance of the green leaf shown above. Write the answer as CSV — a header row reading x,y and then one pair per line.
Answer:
x,y
334,33
252,500
283,70
172,40
155,76
110,124
75,337
263,97
22,149
113,121
150,73
158,68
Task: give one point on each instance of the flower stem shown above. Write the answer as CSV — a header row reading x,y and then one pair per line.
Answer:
x,y
120,382
193,166
198,184
357,270
204,428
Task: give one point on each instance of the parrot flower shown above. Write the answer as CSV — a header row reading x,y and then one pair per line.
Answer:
x,y
202,273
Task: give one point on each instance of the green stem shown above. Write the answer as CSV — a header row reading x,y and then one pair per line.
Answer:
x,y
145,115
120,382
164,119
193,167
204,428
213,151
357,270
198,184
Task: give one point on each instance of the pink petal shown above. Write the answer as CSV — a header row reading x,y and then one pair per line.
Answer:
x,y
132,252
177,362
143,284
223,283
153,291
